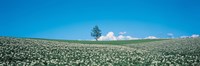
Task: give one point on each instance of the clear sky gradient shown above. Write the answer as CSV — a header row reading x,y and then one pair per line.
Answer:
x,y
74,19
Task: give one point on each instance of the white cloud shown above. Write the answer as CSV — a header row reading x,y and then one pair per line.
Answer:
x,y
131,38
185,37
111,36
121,37
151,37
121,33
193,36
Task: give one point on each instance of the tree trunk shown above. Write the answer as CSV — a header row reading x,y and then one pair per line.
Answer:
x,y
96,39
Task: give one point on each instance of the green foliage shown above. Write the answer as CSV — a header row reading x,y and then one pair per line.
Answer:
x,y
96,32
118,42
115,42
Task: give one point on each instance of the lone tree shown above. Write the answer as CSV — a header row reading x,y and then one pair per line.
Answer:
x,y
96,33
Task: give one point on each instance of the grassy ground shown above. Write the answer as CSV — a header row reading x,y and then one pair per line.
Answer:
x,y
17,51
118,42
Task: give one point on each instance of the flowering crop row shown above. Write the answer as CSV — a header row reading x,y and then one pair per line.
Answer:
x,y
172,52
15,51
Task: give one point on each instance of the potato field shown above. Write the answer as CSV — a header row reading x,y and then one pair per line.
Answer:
x,y
37,52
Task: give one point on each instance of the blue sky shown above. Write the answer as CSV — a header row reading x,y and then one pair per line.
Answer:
x,y
74,19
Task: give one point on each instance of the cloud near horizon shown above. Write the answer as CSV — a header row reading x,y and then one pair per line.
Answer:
x,y
111,36
121,33
192,36
151,37
121,36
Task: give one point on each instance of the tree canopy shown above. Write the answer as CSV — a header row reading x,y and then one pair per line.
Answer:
x,y
96,33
